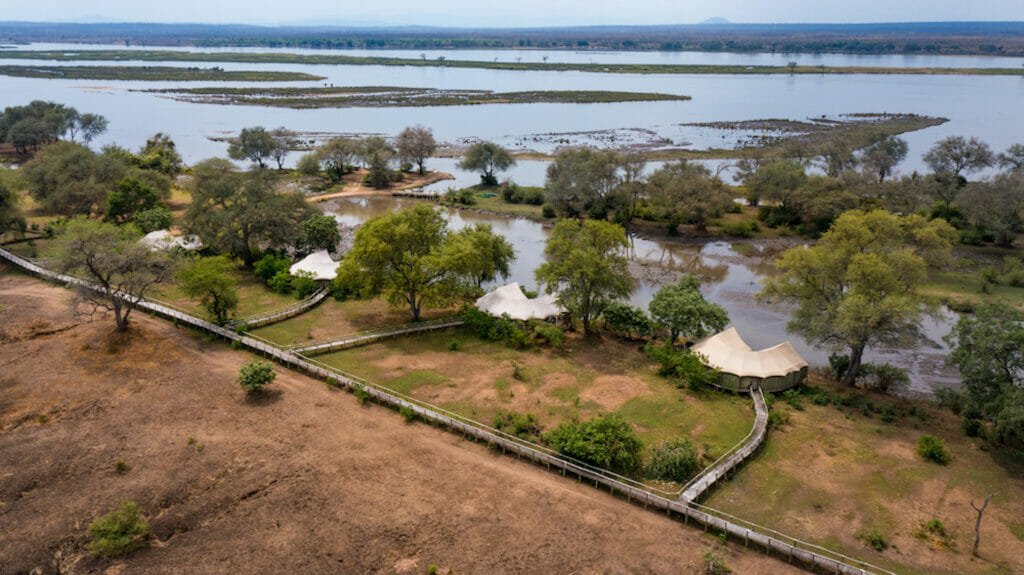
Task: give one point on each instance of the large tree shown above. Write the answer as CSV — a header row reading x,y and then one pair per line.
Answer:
x,y
160,154
881,158
585,267
65,179
487,158
856,287
1013,159
337,155
409,256
587,178
415,144
112,258
686,192
684,311
995,206
779,182
320,232
284,142
238,213
130,198
988,349
253,144
11,218
486,255
211,281
959,156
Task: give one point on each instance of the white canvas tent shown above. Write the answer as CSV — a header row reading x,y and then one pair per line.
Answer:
x,y
319,264
774,368
510,299
163,240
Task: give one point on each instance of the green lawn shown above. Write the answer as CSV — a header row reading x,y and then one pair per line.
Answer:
x,y
478,379
254,296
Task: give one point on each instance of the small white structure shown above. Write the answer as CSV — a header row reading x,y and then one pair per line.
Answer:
x,y
773,369
163,240
511,300
319,264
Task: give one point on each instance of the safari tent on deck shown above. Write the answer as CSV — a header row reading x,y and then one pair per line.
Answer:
x,y
510,299
319,264
773,369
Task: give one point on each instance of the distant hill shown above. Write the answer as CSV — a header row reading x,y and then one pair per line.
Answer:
x,y
716,34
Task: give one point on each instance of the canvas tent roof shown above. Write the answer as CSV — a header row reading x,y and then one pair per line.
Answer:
x,y
163,240
510,299
727,352
319,264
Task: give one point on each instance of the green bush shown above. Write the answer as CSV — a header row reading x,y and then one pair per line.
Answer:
x,y
363,396
839,364
270,265
534,197
118,532
408,413
304,285
548,211
511,192
281,283
626,321
932,449
674,460
873,538
254,375
741,229
682,364
779,417
153,219
607,441
885,378
522,426
971,426
548,333
309,164
792,397
714,564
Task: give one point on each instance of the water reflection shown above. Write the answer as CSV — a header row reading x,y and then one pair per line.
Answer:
x,y
729,278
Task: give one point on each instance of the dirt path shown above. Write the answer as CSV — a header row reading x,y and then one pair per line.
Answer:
x,y
305,480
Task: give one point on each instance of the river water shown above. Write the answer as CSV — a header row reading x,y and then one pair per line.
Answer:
x,y
728,278
985,107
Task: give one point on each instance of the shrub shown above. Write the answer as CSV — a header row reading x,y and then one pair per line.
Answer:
x,y
522,426
839,364
408,413
674,460
792,397
118,532
971,426
333,383
364,396
511,192
885,377
714,564
254,375
626,321
779,417
120,466
534,197
932,449
453,345
270,265
873,538
741,229
157,218
548,211
309,164
683,364
550,333
304,285
281,283
607,441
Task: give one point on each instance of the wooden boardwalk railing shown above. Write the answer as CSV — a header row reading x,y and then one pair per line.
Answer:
x,y
374,335
734,457
810,555
281,314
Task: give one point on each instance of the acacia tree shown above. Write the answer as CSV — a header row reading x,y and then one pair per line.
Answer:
x,y
284,141
686,192
995,205
587,177
857,286
235,212
410,257
210,280
336,156
415,144
882,157
62,177
585,267
959,156
684,311
485,254
487,158
1013,159
253,144
111,258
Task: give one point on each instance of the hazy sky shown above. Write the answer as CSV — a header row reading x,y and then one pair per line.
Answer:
x,y
510,12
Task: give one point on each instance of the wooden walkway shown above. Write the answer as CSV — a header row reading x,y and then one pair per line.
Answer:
x,y
281,314
371,336
812,556
732,459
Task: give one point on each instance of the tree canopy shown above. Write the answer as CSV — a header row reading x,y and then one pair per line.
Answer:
x,y
11,217
111,257
253,144
237,213
485,254
210,280
320,232
487,158
39,123
959,156
684,311
585,267
415,144
857,286
686,192
583,178
413,258
882,157
988,349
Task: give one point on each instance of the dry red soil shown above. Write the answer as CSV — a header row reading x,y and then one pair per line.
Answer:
x,y
303,480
